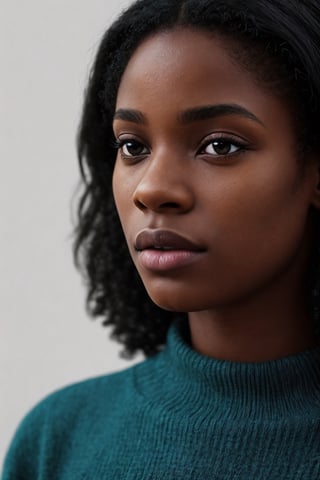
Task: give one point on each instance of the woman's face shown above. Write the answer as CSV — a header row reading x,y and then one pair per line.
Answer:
x,y
207,184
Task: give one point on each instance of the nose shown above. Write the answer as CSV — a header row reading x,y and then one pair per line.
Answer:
x,y
164,186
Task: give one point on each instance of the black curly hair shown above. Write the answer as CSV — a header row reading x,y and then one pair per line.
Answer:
x,y
278,40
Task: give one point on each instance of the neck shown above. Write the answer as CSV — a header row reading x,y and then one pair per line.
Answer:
x,y
265,328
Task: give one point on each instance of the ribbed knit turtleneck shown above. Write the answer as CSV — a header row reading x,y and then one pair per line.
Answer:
x,y
188,382
178,416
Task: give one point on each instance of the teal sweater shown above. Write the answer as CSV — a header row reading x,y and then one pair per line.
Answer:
x,y
178,415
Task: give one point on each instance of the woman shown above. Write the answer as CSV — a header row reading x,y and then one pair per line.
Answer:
x,y
200,131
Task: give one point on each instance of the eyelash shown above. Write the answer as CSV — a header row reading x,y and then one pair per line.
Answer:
x,y
227,140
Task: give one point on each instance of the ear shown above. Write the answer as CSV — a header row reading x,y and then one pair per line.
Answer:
x,y
315,199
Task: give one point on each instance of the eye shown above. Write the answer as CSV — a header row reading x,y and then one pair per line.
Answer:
x,y
131,148
222,146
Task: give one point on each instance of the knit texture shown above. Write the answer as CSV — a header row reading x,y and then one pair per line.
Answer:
x,y
178,415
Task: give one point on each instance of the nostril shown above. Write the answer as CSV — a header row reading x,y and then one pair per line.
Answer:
x,y
157,206
139,204
169,205
160,206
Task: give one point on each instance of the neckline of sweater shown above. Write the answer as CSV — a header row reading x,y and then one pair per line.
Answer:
x,y
184,380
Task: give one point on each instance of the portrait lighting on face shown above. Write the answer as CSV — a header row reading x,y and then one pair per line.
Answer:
x,y
207,179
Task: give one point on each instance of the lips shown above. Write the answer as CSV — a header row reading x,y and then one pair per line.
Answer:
x,y
163,252
165,240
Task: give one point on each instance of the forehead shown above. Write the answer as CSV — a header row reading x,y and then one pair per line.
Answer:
x,y
183,68
177,58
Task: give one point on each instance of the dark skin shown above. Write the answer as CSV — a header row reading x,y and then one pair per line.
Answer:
x,y
226,178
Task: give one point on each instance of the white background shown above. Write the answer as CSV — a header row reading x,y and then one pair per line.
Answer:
x,y
46,338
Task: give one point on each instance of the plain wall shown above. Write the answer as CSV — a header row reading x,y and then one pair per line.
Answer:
x,y
46,338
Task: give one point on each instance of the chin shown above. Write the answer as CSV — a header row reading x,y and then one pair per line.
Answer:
x,y
186,298
178,302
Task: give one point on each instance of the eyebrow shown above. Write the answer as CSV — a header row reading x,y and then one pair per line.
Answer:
x,y
191,115
214,111
130,115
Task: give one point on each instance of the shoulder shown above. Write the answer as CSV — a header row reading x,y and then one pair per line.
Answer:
x,y
99,388
66,412
87,396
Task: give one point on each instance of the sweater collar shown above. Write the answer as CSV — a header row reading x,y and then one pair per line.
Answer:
x,y
190,381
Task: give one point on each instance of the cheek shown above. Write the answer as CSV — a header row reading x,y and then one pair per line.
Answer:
x,y
121,192
259,220
120,200
260,195
123,186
